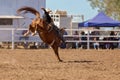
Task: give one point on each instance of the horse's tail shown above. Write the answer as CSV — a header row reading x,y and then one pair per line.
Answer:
x,y
29,9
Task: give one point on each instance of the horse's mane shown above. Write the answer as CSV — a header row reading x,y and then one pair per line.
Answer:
x,y
29,9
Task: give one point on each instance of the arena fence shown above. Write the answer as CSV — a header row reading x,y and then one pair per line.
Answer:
x,y
16,35
89,36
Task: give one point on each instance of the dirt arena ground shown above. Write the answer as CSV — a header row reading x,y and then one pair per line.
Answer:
x,y
41,64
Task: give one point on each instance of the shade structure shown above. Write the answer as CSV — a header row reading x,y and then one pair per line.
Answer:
x,y
100,20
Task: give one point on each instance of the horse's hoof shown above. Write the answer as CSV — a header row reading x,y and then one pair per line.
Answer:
x,y
60,60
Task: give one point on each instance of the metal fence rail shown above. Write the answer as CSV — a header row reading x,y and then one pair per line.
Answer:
x,y
88,36
15,35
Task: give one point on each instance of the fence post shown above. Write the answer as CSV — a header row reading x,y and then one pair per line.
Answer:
x,y
13,45
88,40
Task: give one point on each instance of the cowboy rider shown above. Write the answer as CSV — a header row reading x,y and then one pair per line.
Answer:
x,y
49,20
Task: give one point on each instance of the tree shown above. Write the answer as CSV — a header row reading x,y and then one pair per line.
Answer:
x,y
110,7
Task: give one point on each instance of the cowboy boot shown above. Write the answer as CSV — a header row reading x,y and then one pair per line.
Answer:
x,y
59,34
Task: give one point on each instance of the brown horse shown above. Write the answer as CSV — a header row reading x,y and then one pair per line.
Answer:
x,y
45,31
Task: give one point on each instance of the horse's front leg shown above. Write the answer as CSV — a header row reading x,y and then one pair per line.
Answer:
x,y
55,48
27,33
34,33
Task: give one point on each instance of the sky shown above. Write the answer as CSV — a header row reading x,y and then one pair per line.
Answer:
x,y
75,7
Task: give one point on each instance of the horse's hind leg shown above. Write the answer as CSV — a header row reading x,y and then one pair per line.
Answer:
x,y
55,48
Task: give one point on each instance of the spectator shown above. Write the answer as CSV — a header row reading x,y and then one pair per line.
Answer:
x,y
95,43
63,44
112,38
76,37
83,38
107,43
24,38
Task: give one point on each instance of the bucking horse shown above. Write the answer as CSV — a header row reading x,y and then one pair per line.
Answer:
x,y
45,31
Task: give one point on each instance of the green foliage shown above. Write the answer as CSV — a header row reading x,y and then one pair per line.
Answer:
x,y
110,7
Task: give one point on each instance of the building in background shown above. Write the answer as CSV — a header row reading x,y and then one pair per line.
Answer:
x,y
9,7
8,10
10,19
8,14
76,19
62,19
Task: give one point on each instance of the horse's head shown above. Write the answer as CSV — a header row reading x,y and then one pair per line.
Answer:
x,y
32,27
38,25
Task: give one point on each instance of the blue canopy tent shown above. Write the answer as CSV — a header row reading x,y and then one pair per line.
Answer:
x,y
100,20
